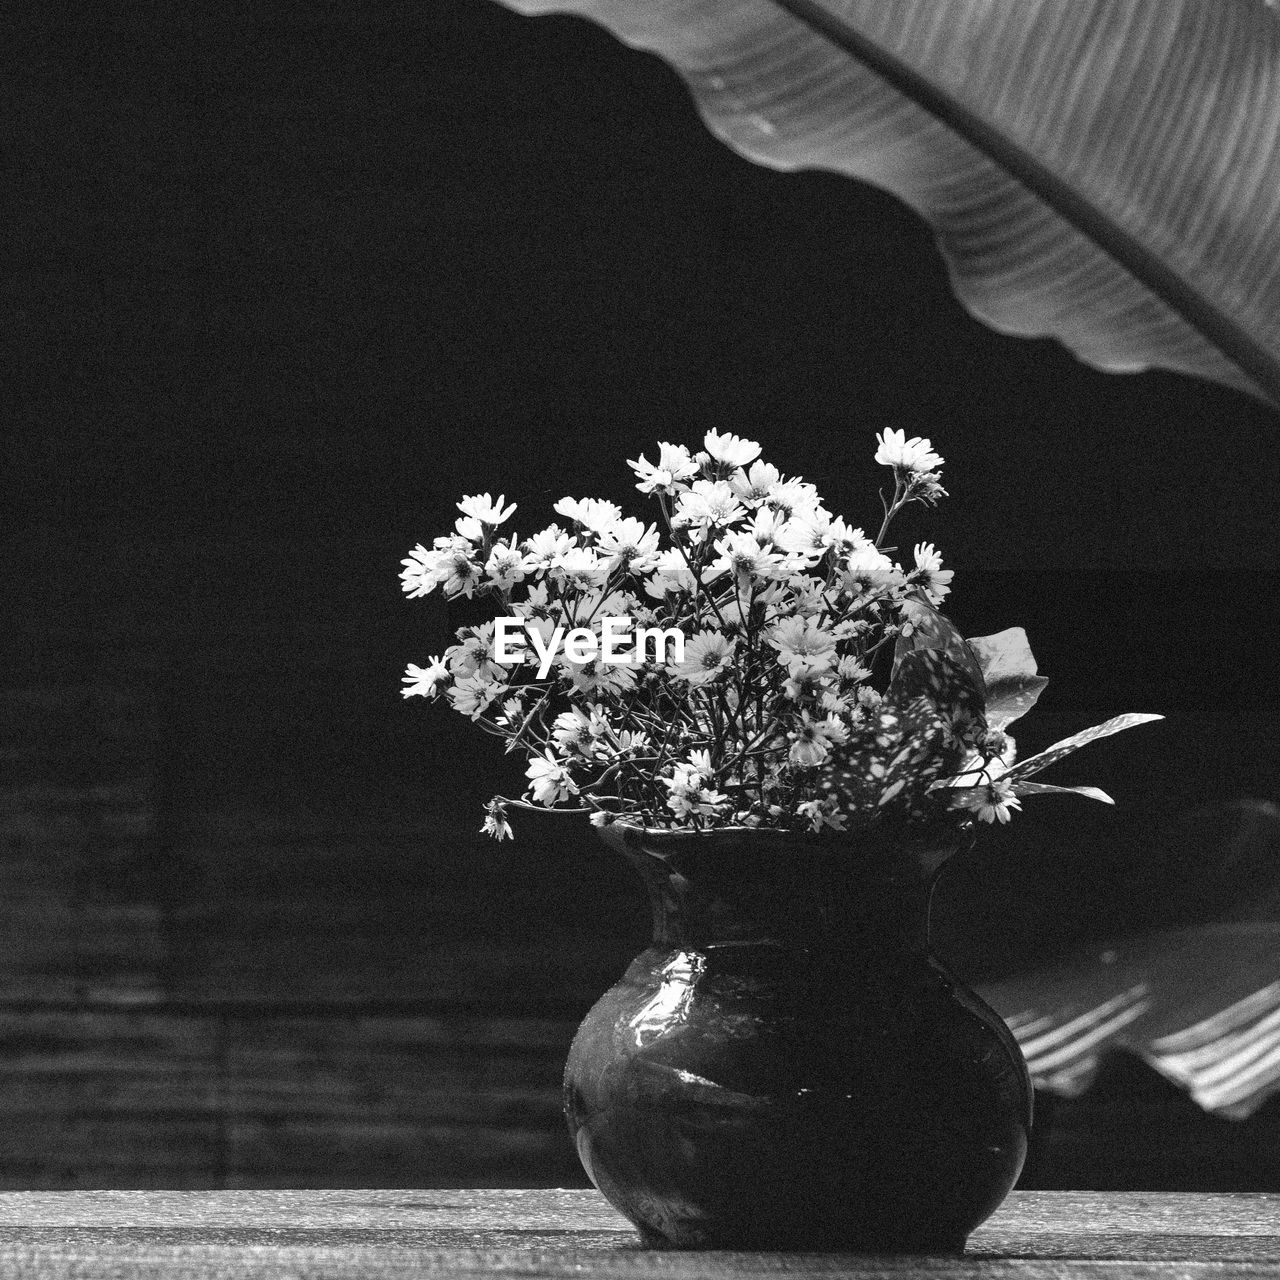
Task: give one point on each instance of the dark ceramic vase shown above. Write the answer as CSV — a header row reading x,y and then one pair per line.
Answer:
x,y
787,1066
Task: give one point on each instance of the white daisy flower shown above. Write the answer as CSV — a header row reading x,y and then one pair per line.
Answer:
x,y
578,732
512,708
808,534
506,566
629,545
422,572
867,570
812,740
754,487
549,780
766,524
868,560
689,794
994,802
930,574
423,681
846,539
685,803
463,574
578,566
473,694
470,528
852,670
495,821
707,504
803,646
706,655
747,560
683,777
592,513
486,509
629,743
916,454
474,656
605,679
542,548
725,447
838,704
794,498
674,465
926,487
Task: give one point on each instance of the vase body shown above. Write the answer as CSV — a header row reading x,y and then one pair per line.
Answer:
x,y
787,1066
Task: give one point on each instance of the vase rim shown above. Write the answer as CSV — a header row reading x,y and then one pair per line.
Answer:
x,y
681,834
739,828
706,831
631,837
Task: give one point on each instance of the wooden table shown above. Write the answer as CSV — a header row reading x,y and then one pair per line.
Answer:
x,y
325,1235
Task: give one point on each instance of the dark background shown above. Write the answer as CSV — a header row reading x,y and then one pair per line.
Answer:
x,y
283,282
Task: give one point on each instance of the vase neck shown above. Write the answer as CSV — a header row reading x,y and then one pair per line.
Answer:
x,y
708,892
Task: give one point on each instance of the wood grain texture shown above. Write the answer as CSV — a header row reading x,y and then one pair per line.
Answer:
x,y
76,808
151,1099
372,1233
253,998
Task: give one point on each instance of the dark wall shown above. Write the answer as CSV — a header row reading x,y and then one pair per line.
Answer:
x,y
284,282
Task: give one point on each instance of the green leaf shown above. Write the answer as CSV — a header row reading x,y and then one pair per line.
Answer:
x,y
1009,672
1101,172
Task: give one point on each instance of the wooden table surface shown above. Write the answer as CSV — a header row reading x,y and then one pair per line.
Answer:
x,y
310,1235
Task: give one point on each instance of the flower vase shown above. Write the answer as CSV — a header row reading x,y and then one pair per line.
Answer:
x,y
787,1066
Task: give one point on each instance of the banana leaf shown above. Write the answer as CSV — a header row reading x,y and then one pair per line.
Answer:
x,y
1105,172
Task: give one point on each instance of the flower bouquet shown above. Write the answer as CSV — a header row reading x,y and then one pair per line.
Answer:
x,y
770,717
749,659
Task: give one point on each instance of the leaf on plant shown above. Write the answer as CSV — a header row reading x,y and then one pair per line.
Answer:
x,y
1009,674
1044,788
890,763
929,629
1103,173
1007,653
1033,764
936,676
